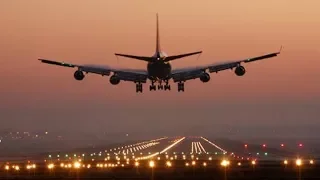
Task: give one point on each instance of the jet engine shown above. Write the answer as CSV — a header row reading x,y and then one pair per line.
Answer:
x,y
240,71
78,75
114,80
205,77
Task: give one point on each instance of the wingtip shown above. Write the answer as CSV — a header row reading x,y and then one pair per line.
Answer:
x,y
281,47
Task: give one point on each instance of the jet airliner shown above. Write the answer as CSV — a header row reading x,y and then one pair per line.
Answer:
x,y
159,69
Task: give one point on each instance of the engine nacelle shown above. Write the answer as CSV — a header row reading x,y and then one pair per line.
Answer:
x,y
240,71
78,75
114,80
205,77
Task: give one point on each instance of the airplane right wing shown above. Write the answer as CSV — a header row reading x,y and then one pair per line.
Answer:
x,y
185,74
133,75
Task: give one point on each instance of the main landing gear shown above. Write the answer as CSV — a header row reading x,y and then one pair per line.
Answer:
x,y
165,87
138,87
160,86
180,86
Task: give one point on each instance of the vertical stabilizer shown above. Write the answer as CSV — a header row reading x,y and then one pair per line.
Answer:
x,y
158,37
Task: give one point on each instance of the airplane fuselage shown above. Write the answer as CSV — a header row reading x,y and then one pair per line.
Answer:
x,y
159,70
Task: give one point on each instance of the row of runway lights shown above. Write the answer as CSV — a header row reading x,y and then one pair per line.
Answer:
x,y
166,156
151,164
135,147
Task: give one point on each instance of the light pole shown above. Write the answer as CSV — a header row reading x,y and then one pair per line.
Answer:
x,y
299,164
225,164
151,164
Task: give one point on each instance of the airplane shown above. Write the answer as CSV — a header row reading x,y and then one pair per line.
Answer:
x,y
159,69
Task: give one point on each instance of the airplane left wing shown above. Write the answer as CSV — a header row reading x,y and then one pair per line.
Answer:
x,y
185,74
134,75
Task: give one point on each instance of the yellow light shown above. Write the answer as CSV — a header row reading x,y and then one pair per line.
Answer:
x,y
88,166
33,166
28,167
193,163
285,162
311,162
298,162
168,164
51,166
151,164
61,165
187,164
7,167
253,162
17,168
76,165
239,163
225,163
210,158
136,164
204,164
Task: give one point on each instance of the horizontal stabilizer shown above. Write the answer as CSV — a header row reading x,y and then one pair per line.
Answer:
x,y
170,58
143,58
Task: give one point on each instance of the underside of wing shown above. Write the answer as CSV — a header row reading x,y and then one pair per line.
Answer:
x,y
134,75
201,72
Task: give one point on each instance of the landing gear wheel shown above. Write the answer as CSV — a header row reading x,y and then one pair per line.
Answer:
x,y
167,87
152,87
139,87
180,86
160,87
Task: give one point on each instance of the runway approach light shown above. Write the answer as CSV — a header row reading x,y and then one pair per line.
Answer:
x,y
204,164
168,164
7,167
51,166
253,162
285,162
136,163
76,165
225,163
298,162
151,164
193,163
311,162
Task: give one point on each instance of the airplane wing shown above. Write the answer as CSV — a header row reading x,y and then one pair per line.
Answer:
x,y
170,58
185,74
143,58
134,75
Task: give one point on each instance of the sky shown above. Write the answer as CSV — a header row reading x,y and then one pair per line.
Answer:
x,y
273,93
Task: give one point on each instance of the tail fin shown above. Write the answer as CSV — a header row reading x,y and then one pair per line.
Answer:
x,y
158,49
